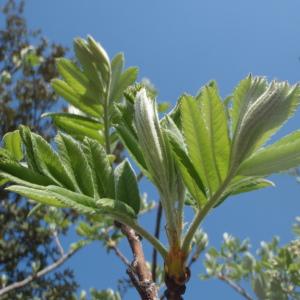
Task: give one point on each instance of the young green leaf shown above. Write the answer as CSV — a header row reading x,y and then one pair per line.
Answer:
x,y
132,146
31,159
126,186
198,144
247,91
188,172
100,167
81,203
85,57
101,60
117,65
12,143
49,163
78,126
15,172
76,163
77,80
85,204
278,157
127,78
262,118
215,119
79,101
37,194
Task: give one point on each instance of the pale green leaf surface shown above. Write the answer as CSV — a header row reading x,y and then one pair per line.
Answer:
x,y
101,169
278,157
127,78
79,202
79,101
49,163
197,140
13,143
88,205
133,147
126,186
215,119
76,163
31,159
247,91
38,195
189,174
76,79
263,118
17,173
100,58
86,60
78,126
117,65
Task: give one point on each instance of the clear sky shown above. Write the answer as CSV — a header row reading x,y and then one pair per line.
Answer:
x,y
179,46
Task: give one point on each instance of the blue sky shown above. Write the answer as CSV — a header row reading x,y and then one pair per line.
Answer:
x,y
179,46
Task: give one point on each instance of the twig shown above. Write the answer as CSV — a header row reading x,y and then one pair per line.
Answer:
x,y
235,286
58,243
143,282
156,234
120,255
39,274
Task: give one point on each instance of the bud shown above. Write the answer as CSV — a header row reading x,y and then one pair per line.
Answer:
x,y
151,139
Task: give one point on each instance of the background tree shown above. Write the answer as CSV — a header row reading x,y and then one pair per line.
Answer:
x,y
27,64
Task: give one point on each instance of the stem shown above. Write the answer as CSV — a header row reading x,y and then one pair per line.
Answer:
x,y
202,213
156,234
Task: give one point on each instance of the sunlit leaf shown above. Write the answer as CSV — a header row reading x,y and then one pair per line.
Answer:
x,y
277,157
12,143
78,126
126,186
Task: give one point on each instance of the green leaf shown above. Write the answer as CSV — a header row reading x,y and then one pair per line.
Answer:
x,y
31,159
188,172
49,163
248,90
117,65
126,186
78,126
247,184
85,57
101,59
79,101
77,80
101,168
198,144
132,146
79,202
215,119
126,79
263,117
76,163
38,195
278,157
17,173
85,204
12,143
